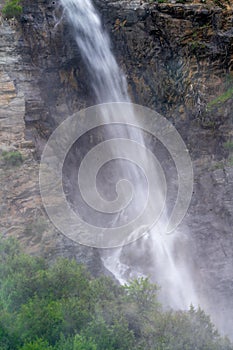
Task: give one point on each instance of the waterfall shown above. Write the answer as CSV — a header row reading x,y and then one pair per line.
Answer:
x,y
108,82
109,85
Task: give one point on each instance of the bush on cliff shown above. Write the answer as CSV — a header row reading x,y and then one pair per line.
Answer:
x,y
12,158
12,9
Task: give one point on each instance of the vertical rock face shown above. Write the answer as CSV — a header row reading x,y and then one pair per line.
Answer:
x,y
59,83
30,84
178,59
11,100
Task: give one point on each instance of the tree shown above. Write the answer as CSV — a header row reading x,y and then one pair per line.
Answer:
x,y
142,292
38,344
62,307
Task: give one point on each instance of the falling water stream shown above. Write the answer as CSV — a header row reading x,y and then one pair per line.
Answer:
x,y
109,85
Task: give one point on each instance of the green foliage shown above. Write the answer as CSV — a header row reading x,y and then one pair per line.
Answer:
x,y
77,342
12,158
11,9
143,293
114,335
228,145
36,227
221,99
61,307
38,344
9,248
219,165
230,162
81,343
197,47
40,318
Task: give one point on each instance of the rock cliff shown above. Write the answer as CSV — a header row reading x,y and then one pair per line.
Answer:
x,y
22,105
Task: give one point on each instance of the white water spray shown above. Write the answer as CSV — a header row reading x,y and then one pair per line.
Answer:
x,y
107,80
109,85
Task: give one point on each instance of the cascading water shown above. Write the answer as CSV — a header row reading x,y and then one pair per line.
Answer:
x,y
109,85
107,80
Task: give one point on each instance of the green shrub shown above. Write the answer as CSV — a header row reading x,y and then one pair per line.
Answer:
x,y
13,158
38,344
218,101
228,145
81,343
11,9
230,162
62,307
36,228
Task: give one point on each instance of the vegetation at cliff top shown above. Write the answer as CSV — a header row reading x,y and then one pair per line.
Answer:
x,y
11,9
62,307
